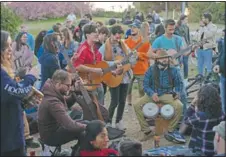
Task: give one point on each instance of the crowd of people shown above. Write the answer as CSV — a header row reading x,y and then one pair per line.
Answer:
x,y
64,113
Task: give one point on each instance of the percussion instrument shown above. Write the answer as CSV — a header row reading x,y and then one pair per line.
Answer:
x,y
167,111
150,110
33,99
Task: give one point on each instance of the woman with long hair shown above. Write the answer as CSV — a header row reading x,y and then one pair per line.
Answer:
x,y
203,115
12,93
96,140
49,60
38,43
69,45
22,55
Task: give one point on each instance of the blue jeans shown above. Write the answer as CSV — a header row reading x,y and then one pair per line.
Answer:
x,y
183,95
222,89
185,63
205,60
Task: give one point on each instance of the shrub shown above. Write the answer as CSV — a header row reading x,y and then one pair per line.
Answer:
x,y
9,20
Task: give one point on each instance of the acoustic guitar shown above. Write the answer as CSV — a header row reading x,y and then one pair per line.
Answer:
x,y
115,80
173,54
89,99
93,80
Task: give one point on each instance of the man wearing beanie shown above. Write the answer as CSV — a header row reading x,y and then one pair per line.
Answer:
x,y
219,139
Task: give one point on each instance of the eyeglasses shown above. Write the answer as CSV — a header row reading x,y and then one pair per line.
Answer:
x,y
68,85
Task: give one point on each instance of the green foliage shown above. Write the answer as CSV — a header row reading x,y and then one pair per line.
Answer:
x,y
216,9
196,9
107,14
9,20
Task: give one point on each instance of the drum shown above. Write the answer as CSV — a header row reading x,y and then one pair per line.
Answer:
x,y
150,110
167,111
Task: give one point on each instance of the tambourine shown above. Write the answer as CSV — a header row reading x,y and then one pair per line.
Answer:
x,y
33,99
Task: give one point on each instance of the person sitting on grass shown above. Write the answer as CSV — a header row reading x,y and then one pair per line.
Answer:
x,y
203,115
96,140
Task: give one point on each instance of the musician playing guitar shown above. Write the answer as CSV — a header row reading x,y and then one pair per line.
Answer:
x,y
137,38
87,53
112,48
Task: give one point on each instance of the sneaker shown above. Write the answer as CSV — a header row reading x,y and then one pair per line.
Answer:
x,y
120,126
175,137
32,144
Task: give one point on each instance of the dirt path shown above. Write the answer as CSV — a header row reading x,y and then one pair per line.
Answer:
x,y
130,122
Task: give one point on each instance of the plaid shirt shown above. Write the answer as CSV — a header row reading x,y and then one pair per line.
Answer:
x,y
149,82
202,134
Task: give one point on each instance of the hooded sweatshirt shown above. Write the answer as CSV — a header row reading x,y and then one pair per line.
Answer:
x,y
52,113
12,125
49,64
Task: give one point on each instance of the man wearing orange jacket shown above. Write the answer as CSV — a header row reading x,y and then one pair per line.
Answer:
x,y
138,42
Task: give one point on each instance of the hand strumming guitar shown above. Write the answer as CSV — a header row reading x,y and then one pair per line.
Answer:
x,y
98,71
119,69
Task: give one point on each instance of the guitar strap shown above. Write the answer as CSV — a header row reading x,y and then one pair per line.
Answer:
x,y
138,45
95,101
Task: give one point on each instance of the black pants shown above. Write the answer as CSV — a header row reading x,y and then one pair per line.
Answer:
x,y
17,152
105,87
118,99
62,136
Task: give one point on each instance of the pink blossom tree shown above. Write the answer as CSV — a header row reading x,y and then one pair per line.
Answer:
x,y
40,10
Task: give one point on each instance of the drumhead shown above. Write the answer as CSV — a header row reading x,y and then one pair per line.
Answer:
x,y
150,110
167,111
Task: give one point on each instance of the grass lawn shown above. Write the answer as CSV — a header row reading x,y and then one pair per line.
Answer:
x,y
36,26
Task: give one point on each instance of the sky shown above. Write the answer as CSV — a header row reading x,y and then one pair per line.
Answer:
x,y
108,5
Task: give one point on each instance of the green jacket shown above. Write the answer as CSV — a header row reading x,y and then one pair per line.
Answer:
x,y
183,31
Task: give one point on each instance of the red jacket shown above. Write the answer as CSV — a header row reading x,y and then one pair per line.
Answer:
x,y
85,56
103,152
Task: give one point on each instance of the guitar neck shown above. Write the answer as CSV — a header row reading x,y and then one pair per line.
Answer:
x,y
188,48
84,92
113,67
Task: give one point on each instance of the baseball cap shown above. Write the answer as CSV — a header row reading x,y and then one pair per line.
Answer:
x,y
136,23
220,129
116,29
